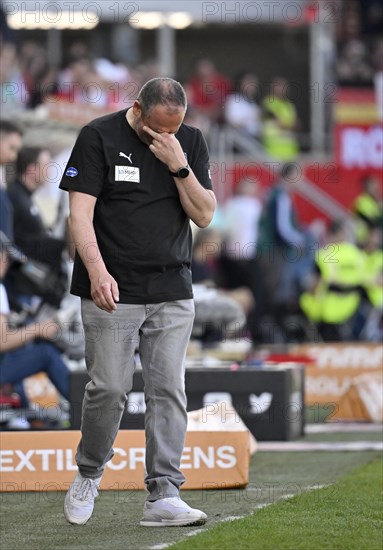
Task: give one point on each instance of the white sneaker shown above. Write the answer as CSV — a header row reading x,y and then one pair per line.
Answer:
x,y
79,500
171,511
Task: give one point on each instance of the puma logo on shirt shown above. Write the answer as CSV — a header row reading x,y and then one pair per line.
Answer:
x,y
126,156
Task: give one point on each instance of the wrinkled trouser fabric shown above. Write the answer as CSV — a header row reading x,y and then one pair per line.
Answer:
x,y
161,333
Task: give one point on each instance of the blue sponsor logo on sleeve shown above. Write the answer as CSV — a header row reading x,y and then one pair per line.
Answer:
x,y
71,172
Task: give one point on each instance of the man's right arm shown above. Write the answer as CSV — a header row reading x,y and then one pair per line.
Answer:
x,y
104,288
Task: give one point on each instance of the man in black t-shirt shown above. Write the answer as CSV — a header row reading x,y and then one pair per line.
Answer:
x,y
136,178
31,234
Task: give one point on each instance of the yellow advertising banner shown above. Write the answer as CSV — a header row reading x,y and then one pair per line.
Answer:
x,y
45,461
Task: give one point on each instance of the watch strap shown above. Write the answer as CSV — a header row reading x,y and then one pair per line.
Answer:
x,y
177,174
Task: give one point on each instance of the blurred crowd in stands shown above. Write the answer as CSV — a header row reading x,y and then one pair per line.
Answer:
x,y
28,82
359,43
262,114
296,282
258,273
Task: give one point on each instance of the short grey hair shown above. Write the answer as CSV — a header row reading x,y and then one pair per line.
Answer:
x,y
161,91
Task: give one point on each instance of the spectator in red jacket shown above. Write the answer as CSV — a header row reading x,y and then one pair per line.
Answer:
x,y
207,90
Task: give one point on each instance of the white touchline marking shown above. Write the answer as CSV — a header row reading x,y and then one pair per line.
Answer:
x,y
264,505
193,533
276,446
234,518
231,518
341,427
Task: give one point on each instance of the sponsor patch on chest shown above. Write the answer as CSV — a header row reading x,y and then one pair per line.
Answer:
x,y
127,173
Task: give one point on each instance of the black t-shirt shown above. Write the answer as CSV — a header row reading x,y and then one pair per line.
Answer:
x,y
142,231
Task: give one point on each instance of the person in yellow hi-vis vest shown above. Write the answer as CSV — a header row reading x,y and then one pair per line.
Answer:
x,y
280,122
367,208
335,296
371,324
373,270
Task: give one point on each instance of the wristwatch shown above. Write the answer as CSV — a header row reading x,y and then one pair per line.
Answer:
x,y
182,172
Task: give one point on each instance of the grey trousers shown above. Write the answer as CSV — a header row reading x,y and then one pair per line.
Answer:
x,y
161,333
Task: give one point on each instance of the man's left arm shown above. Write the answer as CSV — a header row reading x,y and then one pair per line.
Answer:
x,y
199,203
